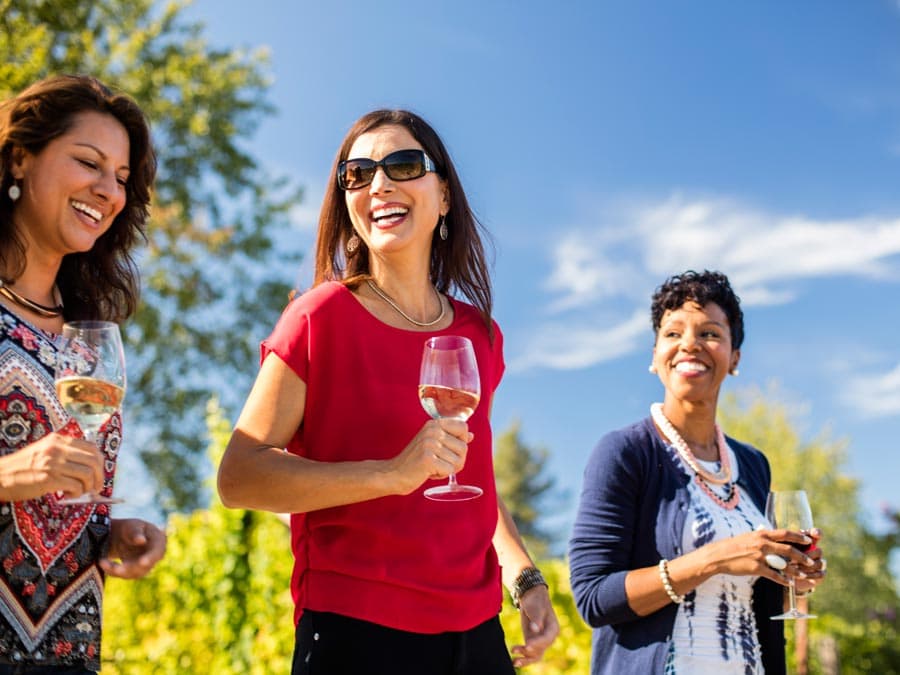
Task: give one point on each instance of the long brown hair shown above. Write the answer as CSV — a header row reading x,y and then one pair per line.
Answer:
x,y
102,283
457,263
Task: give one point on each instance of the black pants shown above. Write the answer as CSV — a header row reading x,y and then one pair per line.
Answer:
x,y
45,670
330,644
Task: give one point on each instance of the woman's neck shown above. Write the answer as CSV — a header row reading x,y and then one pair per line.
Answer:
x,y
696,423
409,286
36,282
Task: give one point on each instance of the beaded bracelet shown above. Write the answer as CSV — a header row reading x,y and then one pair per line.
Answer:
x,y
667,582
527,579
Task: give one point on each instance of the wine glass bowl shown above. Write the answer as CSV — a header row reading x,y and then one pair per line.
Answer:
x,y
449,387
90,382
789,510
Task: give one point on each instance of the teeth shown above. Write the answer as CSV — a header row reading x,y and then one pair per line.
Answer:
x,y
84,208
690,367
387,212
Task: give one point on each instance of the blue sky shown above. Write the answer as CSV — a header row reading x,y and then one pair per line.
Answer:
x,y
607,145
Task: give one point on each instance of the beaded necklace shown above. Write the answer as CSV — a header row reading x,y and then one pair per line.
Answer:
x,y
702,477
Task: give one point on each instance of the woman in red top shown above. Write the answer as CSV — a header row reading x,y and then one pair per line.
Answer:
x,y
385,580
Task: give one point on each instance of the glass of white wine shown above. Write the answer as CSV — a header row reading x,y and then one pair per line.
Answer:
x,y
789,510
90,382
449,386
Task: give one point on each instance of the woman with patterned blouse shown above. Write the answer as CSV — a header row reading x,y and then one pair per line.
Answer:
x,y
672,560
76,168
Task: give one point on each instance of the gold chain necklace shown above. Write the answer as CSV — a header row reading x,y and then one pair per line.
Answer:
x,y
422,324
36,307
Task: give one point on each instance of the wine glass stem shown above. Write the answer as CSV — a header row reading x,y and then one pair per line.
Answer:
x,y
451,481
792,596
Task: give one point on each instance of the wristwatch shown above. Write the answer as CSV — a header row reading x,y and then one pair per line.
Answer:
x,y
527,579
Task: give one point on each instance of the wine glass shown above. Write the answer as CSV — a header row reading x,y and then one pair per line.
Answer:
x,y
449,386
789,510
90,382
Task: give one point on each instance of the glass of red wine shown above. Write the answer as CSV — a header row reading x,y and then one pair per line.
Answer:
x,y
789,510
449,386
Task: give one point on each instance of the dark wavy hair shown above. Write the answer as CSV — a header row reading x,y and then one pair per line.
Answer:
x,y
102,283
702,288
459,262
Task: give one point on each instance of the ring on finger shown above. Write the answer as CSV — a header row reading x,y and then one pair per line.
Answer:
x,y
776,562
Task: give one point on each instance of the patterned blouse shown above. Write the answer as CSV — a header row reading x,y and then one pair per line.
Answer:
x,y
51,589
715,628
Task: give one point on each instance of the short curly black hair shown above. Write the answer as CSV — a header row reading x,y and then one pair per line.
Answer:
x,y
702,288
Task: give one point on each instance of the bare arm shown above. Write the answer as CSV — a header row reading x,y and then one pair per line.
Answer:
x,y
257,473
539,624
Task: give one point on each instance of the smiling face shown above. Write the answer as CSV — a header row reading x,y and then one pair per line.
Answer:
x,y
73,189
693,352
390,216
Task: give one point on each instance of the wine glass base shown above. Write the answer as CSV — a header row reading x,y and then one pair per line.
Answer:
x,y
88,498
792,614
453,493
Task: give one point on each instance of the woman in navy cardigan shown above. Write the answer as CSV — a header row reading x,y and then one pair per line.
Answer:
x,y
672,561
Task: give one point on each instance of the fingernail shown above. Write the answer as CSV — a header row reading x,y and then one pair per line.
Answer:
x,y
800,575
535,627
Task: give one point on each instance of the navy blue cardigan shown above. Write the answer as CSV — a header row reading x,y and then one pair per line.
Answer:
x,y
634,503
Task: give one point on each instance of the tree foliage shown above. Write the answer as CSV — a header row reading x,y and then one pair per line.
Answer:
x,y
524,485
215,213
219,602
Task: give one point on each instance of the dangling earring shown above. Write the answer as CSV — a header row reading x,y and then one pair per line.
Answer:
x,y
352,245
14,192
735,372
442,229
651,369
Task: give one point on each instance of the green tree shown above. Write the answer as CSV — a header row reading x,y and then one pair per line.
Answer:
x,y
219,602
524,485
207,294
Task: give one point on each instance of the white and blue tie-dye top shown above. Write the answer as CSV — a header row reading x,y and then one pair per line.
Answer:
x,y
715,629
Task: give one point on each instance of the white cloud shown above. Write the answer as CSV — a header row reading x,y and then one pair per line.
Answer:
x,y
875,395
621,257
563,348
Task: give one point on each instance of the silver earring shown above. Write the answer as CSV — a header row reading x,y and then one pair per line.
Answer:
x,y
651,369
735,372
14,192
442,230
352,244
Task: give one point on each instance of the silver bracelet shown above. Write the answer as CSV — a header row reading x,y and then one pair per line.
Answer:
x,y
527,579
667,582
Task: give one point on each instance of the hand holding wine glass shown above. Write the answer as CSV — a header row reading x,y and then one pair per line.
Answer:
x,y
790,510
90,382
449,386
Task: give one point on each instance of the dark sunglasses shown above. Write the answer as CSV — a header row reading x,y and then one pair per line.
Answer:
x,y
399,165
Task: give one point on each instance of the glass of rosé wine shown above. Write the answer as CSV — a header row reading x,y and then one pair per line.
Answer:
x,y
449,386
